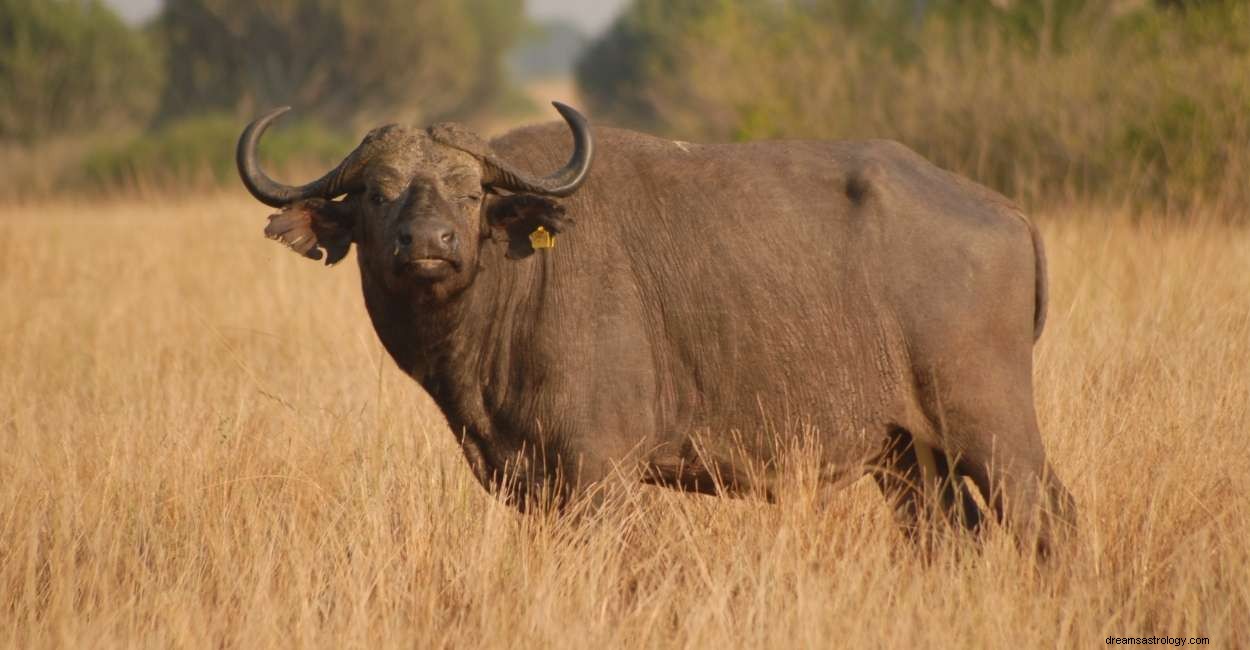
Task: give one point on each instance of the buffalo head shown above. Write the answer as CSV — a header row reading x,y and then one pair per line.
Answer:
x,y
416,202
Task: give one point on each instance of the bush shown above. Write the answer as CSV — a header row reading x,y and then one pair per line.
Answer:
x,y
200,150
1041,100
70,66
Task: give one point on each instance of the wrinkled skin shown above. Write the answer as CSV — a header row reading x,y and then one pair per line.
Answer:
x,y
709,300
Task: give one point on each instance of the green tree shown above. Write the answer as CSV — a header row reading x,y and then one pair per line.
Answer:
x,y
335,59
70,66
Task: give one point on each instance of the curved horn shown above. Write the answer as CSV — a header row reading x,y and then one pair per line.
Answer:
x,y
563,182
270,192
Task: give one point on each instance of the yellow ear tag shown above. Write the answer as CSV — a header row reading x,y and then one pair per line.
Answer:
x,y
540,238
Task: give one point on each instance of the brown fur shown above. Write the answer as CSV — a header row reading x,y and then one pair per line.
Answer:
x,y
710,299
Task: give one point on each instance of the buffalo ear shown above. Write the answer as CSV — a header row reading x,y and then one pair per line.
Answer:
x,y
512,218
310,225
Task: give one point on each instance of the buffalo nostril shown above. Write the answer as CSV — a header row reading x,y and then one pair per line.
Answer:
x,y
405,239
447,236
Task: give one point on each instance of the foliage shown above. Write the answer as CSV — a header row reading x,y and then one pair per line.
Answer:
x,y
200,149
70,66
338,59
1038,98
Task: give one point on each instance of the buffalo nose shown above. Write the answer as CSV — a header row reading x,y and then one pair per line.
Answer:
x,y
426,239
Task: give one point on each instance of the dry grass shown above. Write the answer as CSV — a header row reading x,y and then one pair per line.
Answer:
x,y
203,445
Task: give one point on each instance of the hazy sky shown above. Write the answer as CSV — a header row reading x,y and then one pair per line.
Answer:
x,y
591,15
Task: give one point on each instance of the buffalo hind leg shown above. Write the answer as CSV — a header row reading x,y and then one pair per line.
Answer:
x,y
982,410
923,487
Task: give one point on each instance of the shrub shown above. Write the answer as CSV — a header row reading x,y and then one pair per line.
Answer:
x,y
200,150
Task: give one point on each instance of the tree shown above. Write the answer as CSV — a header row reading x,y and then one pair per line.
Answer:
x,y
335,59
616,71
70,66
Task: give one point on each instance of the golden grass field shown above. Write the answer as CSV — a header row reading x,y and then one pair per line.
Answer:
x,y
202,444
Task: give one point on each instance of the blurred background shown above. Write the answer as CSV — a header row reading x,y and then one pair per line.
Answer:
x,y
1144,103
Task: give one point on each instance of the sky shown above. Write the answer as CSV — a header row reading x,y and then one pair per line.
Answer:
x,y
591,15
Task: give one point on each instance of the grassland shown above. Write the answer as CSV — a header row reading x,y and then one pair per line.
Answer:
x,y
202,444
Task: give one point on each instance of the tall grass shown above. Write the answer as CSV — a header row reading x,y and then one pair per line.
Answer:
x,y
205,446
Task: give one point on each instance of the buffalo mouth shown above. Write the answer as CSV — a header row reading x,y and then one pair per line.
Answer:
x,y
428,268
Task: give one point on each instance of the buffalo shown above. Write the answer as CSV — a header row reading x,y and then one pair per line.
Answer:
x,y
648,308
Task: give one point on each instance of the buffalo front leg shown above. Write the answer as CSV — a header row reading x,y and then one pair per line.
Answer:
x,y
923,487
564,478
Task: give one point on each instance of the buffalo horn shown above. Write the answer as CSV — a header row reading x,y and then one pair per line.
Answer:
x,y
270,192
563,182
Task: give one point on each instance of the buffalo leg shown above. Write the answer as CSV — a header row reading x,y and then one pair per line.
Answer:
x,y
917,480
1029,501
989,419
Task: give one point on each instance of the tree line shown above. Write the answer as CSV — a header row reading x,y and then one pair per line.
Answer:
x,y
1047,100
69,66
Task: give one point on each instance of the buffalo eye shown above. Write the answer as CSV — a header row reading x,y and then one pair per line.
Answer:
x,y
377,198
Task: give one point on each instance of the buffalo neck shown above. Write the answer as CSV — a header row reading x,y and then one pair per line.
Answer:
x,y
456,348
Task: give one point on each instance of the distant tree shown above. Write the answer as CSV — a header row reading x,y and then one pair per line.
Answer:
x,y
336,59
70,66
617,70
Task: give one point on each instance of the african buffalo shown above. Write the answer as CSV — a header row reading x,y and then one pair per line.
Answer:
x,y
706,292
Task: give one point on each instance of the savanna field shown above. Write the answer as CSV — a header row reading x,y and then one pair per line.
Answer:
x,y
204,445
